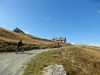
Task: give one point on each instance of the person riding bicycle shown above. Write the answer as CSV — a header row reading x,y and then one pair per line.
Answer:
x,y
19,47
20,44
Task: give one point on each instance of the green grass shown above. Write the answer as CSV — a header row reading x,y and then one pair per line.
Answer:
x,y
76,61
45,59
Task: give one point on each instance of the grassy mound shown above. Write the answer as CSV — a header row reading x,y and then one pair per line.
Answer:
x,y
76,60
9,39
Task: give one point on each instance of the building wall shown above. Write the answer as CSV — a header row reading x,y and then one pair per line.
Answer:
x,y
60,39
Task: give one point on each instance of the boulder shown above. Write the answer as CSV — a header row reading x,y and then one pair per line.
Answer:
x,y
54,70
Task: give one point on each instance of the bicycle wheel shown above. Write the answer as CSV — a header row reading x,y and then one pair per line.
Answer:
x,y
16,51
22,50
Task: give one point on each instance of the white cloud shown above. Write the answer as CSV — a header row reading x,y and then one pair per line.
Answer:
x,y
72,43
26,32
93,44
98,11
98,3
46,18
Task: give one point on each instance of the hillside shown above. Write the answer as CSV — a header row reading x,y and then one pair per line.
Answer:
x,y
9,39
77,60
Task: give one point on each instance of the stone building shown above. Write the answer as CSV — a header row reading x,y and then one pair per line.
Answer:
x,y
18,30
60,39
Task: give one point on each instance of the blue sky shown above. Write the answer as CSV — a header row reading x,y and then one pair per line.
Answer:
x,y
77,20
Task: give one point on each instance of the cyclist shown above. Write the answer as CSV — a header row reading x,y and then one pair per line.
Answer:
x,y
20,48
20,44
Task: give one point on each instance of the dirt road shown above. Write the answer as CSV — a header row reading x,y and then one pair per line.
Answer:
x,y
13,64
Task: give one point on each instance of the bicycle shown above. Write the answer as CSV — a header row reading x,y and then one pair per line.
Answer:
x,y
19,49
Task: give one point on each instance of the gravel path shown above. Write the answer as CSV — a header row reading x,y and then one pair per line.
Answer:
x,y
13,64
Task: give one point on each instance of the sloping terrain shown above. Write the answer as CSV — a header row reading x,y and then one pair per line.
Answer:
x,y
9,39
77,60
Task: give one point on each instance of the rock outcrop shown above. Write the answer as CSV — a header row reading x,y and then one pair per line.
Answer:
x,y
54,70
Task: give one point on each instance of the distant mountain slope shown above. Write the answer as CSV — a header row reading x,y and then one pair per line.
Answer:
x,y
9,39
10,35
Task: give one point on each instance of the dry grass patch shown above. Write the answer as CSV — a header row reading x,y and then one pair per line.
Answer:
x,y
76,60
9,39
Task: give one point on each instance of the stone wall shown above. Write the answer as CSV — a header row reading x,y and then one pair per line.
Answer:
x,y
60,39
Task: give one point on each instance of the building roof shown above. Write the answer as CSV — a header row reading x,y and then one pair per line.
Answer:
x,y
18,30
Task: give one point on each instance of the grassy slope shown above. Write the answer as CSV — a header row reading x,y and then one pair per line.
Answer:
x,y
9,39
84,60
